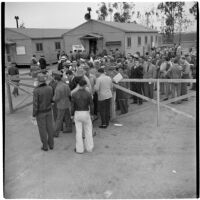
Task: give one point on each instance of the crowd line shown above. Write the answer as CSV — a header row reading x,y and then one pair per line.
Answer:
x,y
82,86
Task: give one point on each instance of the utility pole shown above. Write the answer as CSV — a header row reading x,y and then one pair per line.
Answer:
x,y
17,18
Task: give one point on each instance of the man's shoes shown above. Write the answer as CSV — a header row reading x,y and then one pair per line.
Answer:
x,y
184,99
165,99
76,151
51,148
44,149
56,135
103,126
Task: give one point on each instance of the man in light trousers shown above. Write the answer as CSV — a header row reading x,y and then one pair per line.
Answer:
x,y
81,107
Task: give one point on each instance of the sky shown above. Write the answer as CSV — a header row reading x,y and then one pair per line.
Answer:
x,y
63,14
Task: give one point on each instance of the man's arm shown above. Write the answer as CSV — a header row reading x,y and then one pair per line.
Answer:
x,y
97,85
35,103
72,105
91,105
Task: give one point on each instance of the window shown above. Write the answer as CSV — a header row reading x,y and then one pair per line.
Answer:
x,y
151,39
129,42
57,45
139,41
146,39
156,38
39,47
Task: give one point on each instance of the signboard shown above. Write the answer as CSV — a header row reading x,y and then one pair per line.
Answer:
x,y
20,50
78,47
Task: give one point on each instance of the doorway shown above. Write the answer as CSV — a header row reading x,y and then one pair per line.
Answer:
x,y
92,46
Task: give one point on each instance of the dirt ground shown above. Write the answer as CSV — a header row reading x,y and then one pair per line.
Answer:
x,y
136,160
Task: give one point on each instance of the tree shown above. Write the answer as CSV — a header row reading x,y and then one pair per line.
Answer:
x,y
173,12
193,10
102,12
22,25
121,11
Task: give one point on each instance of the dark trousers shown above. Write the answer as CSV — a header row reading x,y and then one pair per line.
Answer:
x,y
55,111
137,87
46,130
184,85
95,102
104,109
123,105
15,90
148,90
63,115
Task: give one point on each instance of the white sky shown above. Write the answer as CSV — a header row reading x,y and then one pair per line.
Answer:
x,y
62,14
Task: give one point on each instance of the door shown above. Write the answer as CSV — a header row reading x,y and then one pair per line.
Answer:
x,y
92,46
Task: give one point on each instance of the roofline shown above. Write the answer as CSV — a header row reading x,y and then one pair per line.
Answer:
x,y
75,28
123,29
33,38
40,38
18,32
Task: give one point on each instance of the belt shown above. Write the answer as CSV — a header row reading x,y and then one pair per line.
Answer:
x,y
44,111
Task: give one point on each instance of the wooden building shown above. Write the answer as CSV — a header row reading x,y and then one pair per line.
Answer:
x,y
21,44
97,36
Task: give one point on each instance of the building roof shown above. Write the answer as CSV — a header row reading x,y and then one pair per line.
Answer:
x,y
35,33
129,27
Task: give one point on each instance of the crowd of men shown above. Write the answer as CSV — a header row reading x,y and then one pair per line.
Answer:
x,y
81,87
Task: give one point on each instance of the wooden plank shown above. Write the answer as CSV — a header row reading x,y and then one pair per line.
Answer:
x,y
27,85
12,83
161,80
28,104
134,93
153,101
9,95
180,97
21,101
158,102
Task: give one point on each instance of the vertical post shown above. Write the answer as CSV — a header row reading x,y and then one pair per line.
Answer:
x,y
158,101
9,95
113,110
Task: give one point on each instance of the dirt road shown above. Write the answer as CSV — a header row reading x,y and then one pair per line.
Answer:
x,y
137,160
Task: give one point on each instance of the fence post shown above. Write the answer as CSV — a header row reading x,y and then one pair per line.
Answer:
x,y
113,110
158,101
9,95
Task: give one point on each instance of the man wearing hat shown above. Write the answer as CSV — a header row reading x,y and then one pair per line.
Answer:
x,y
61,63
53,84
42,99
62,99
149,71
43,64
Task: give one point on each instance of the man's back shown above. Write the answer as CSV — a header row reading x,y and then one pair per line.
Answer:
x,y
62,94
81,100
13,70
42,98
104,87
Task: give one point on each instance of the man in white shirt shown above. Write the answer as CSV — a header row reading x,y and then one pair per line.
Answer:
x,y
103,87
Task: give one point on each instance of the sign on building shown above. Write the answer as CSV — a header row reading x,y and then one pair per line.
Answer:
x,y
78,47
20,50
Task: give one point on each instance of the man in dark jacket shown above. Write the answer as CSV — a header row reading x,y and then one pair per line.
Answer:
x,y
42,99
137,73
62,99
43,64
13,73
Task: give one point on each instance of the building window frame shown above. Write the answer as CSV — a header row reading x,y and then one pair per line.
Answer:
x,y
57,45
39,47
146,39
128,42
139,40
151,39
